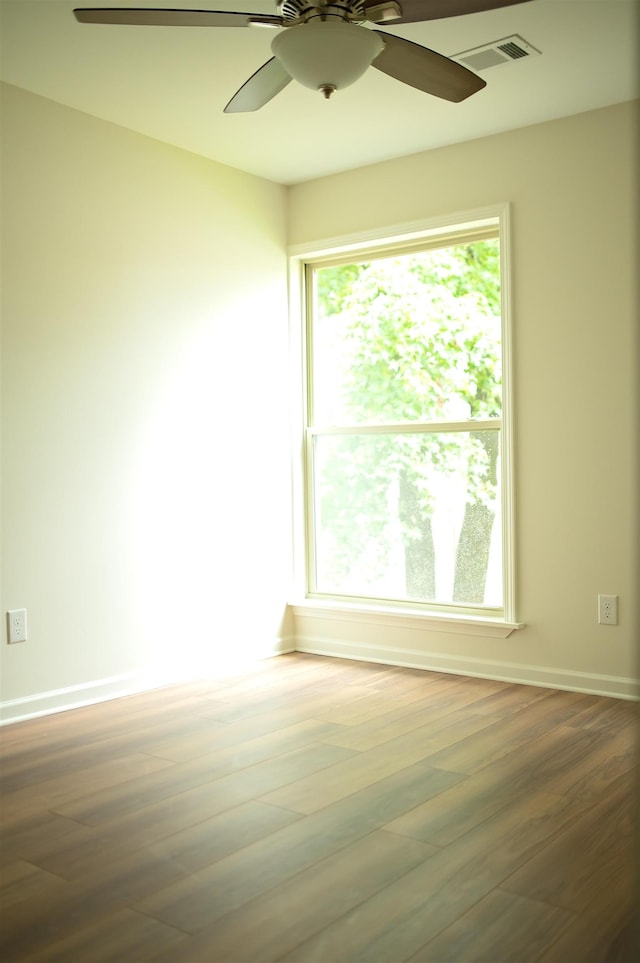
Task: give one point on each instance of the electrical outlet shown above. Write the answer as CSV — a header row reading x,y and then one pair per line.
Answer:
x,y
17,625
608,609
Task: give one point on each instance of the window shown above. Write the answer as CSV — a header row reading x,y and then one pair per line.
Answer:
x,y
406,457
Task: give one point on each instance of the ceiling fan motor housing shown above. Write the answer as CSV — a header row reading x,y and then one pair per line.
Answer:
x,y
302,11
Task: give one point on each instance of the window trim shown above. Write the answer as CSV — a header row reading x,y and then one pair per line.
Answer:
x,y
396,616
464,225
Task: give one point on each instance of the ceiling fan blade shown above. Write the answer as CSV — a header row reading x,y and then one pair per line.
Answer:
x,y
425,69
415,10
260,88
146,17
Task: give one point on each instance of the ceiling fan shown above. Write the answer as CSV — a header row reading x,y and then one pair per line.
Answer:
x,y
325,47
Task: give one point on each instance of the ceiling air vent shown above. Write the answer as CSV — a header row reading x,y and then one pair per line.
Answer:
x,y
496,53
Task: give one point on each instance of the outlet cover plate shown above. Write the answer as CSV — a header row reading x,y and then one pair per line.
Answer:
x,y
608,609
17,625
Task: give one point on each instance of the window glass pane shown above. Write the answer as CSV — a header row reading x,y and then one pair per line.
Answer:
x,y
409,338
411,516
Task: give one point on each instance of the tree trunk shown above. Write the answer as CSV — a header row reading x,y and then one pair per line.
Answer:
x,y
472,554
419,550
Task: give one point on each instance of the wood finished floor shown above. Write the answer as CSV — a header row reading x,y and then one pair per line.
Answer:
x,y
313,810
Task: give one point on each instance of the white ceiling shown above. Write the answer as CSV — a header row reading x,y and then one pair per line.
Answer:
x,y
172,83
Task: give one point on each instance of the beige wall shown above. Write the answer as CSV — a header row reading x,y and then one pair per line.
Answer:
x,y
145,428
572,188
145,416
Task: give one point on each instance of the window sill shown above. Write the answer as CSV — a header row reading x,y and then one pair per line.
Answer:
x,y
405,618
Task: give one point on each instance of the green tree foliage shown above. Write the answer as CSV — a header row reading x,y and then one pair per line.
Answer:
x,y
408,339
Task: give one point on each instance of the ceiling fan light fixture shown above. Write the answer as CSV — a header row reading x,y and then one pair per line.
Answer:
x,y
322,55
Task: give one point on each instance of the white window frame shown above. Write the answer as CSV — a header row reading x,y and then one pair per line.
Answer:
x,y
440,618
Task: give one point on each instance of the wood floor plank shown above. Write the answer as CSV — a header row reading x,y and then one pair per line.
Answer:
x,y
123,936
402,719
315,792
29,928
510,699
608,931
33,834
151,822
128,720
585,859
455,812
233,881
501,927
59,788
274,923
395,924
244,747
131,876
238,731
317,701
22,881
401,680
608,715
541,762
289,674
489,745
609,757
232,830
360,930
235,772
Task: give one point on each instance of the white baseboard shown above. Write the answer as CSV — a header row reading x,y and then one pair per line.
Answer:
x,y
132,683
115,687
75,696
605,685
